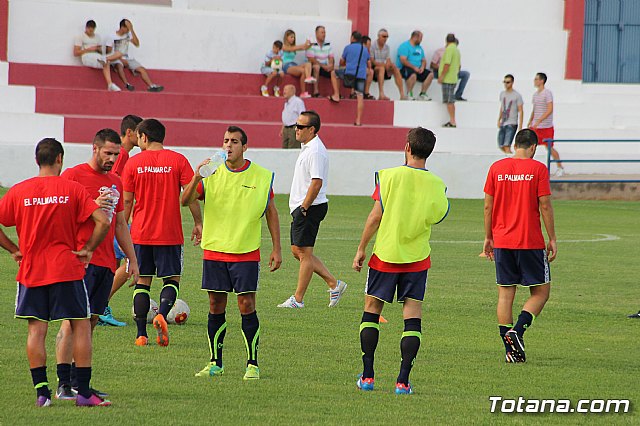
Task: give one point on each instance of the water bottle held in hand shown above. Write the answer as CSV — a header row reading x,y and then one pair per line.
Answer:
x,y
215,161
113,197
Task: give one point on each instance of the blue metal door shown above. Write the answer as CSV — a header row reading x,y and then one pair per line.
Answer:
x,y
611,51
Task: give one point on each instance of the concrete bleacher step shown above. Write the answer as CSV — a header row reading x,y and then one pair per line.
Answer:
x,y
485,114
196,82
67,101
4,73
17,99
209,133
29,128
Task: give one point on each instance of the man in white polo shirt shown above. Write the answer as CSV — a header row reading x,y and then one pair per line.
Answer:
x,y
292,109
308,205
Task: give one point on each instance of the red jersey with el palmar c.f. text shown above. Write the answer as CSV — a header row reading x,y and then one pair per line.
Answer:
x,y
516,184
94,182
47,212
156,179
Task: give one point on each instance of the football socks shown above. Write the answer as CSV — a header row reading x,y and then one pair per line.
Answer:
x,y
503,330
141,306
64,374
251,333
524,321
217,328
369,334
168,297
39,377
409,345
84,377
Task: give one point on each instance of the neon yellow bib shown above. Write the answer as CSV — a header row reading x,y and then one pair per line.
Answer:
x,y
412,200
234,203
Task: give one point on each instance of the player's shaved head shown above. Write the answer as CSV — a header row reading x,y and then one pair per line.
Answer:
x,y
421,142
47,151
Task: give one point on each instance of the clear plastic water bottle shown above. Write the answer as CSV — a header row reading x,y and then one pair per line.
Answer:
x,y
215,161
113,197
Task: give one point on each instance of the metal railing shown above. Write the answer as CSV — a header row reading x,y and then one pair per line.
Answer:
x,y
564,160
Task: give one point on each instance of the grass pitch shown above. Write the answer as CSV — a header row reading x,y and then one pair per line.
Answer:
x,y
581,347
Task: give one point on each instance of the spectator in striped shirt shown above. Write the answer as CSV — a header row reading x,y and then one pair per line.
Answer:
x,y
323,63
384,67
541,120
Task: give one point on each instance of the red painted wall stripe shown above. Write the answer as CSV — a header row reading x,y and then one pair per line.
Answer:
x,y
574,24
358,14
4,28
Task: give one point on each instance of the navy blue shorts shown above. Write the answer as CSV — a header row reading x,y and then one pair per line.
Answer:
x,y
98,281
55,302
116,247
228,277
160,261
408,72
304,229
523,267
383,285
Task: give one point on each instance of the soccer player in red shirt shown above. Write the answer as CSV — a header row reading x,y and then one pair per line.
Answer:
x,y
154,179
47,212
129,139
98,278
517,193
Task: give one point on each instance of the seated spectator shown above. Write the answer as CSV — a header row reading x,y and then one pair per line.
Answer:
x,y
119,42
321,57
89,48
272,68
463,75
383,66
355,59
290,67
413,65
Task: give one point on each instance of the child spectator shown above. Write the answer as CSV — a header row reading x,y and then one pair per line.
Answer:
x,y
272,68
303,71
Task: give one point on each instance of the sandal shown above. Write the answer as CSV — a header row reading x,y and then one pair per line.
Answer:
x,y
353,95
448,124
369,96
316,95
334,100
356,124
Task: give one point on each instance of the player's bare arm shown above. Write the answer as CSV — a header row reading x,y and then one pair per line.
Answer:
x,y
546,211
196,213
370,228
127,199
124,241
10,246
189,193
488,234
273,223
100,230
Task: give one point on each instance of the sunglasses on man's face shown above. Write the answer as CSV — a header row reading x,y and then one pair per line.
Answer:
x,y
302,126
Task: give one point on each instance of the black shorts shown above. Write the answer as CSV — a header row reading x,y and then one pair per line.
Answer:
x,y
386,75
55,302
98,281
304,229
227,277
408,72
325,73
160,261
409,285
523,267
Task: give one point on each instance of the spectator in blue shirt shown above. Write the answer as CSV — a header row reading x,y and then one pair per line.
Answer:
x,y
413,65
352,66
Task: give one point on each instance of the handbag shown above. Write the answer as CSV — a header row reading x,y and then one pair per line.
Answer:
x,y
349,80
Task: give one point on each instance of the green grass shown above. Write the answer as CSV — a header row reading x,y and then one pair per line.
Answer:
x,y
582,346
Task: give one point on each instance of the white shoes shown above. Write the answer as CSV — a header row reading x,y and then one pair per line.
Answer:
x,y
336,293
560,172
291,303
113,88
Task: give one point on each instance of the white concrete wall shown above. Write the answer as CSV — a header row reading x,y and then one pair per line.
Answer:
x,y
178,39
4,73
328,9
